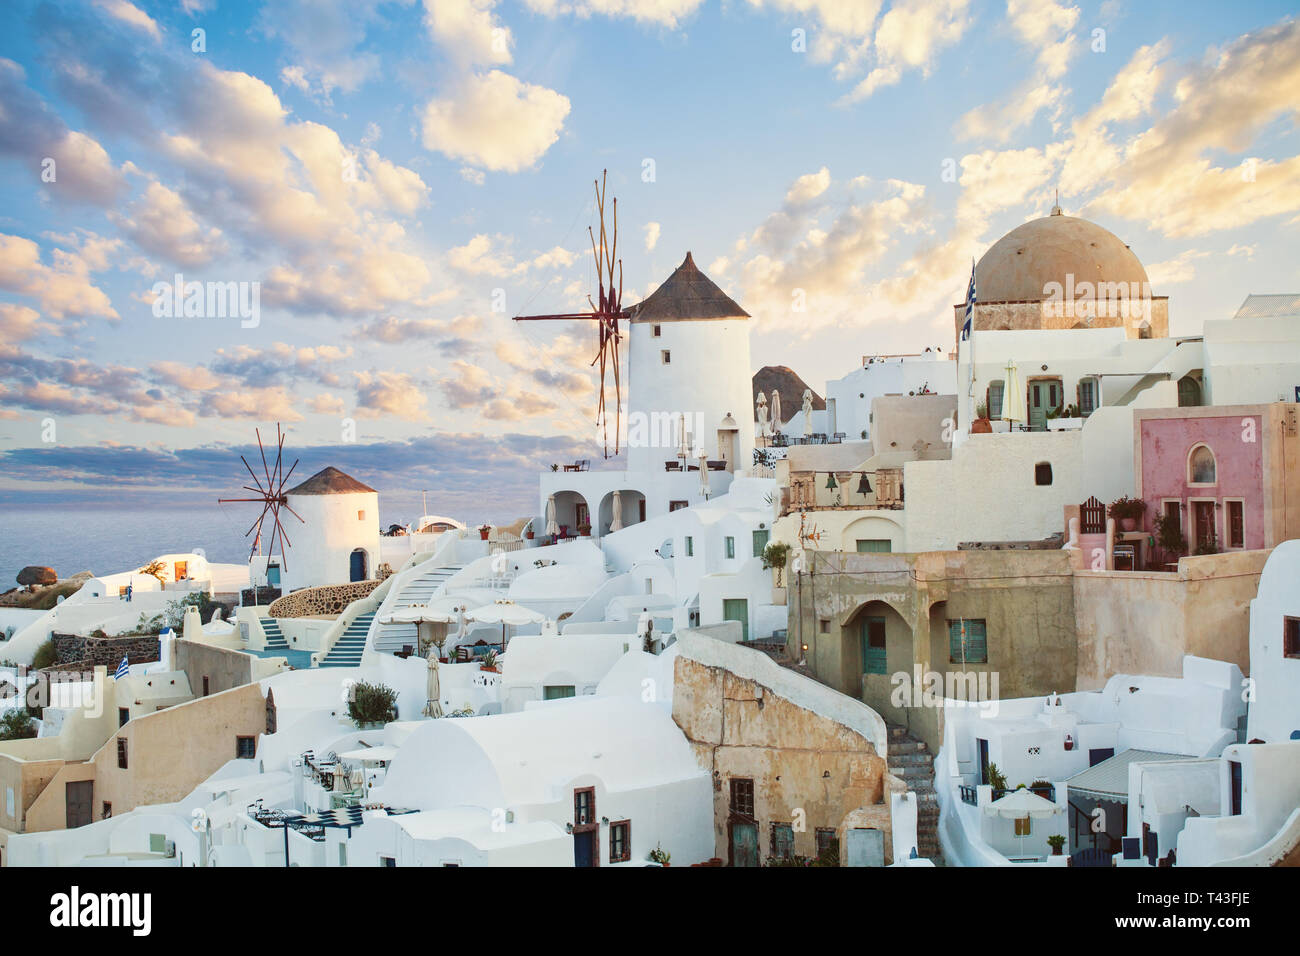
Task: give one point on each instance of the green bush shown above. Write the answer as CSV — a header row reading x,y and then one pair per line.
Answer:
x,y
775,555
16,724
45,656
372,703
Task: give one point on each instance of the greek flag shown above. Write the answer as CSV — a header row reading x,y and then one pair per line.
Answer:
x,y
970,304
122,670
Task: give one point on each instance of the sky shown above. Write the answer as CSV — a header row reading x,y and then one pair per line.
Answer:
x,y
399,178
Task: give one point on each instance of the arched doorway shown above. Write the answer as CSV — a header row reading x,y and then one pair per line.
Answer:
x,y
875,643
631,510
359,565
571,512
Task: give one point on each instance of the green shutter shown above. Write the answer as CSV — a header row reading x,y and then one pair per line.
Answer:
x,y
875,545
557,691
967,641
760,542
731,547
873,646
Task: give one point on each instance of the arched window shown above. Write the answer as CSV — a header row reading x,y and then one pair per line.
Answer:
x,y
1189,392
1201,468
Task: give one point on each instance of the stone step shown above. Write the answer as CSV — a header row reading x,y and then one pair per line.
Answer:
x,y
910,760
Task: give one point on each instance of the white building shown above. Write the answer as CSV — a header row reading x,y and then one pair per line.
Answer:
x,y
336,541
848,399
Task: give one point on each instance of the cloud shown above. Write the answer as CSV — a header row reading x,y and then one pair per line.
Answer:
x,y
651,236
18,323
909,37
32,134
468,32
495,121
390,394
161,222
62,290
324,38
484,255
666,13
1172,271
131,15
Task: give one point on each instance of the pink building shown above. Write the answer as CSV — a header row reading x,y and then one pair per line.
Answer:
x,y
1228,475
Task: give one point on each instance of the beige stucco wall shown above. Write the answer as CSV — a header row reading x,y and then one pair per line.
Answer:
x,y
1144,622
169,753
222,667
797,758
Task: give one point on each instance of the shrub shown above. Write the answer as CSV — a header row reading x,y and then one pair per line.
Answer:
x,y
45,656
775,556
996,778
1127,507
1169,534
16,724
372,703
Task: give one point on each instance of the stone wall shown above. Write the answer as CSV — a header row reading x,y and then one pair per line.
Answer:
x,y
328,599
108,651
809,762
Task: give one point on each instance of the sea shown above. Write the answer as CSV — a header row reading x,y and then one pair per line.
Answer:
x,y
106,541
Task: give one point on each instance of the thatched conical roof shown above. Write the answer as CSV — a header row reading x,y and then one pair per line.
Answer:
x,y
685,295
330,481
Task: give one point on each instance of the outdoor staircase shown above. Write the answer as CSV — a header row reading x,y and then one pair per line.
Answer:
x,y
910,760
346,652
274,636
420,590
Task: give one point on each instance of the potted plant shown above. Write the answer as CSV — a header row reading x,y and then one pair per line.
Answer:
x,y
372,705
584,529
528,531
997,780
483,531
488,662
1169,535
555,467
1057,842
1127,512
775,556
981,425
660,855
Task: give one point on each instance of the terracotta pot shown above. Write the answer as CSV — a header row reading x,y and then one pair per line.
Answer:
x,y
1058,850
981,426
490,670
483,534
1128,524
528,535
585,534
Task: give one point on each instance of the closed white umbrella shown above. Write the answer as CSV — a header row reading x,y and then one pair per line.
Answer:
x,y
764,425
433,690
776,411
616,523
807,412
1013,395
704,473
552,526
683,439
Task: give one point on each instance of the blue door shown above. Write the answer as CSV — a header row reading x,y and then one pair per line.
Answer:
x,y
584,848
358,565
984,760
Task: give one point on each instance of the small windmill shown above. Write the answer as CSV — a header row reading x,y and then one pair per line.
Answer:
x,y
606,311
270,492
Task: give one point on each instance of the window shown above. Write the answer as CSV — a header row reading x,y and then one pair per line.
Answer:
x,y
1189,392
1043,473
996,390
1088,396
343,854
656,330
827,842
730,543
875,546
558,691
1236,524
387,861
584,806
106,812
1173,509
121,753
620,841
581,513
245,748
690,546
824,625
1200,466
967,641
742,796
361,516
666,357
205,685
1291,637
123,715
782,841
677,505
1022,826
873,646
761,538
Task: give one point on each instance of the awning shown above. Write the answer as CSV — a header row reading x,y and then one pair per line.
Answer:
x,y
1108,780
1023,803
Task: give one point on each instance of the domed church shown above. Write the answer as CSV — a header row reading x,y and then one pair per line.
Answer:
x,y
1061,272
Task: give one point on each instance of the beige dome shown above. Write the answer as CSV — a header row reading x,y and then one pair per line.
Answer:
x,y
1018,267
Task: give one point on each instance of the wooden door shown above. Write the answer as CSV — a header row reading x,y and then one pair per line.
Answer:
x,y
584,848
737,609
744,844
1203,524
1044,396
182,567
78,796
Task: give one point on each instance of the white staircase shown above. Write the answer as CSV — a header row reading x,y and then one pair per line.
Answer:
x,y
421,589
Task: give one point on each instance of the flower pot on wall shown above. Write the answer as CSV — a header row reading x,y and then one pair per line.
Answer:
x,y
483,535
981,426
778,596
1128,524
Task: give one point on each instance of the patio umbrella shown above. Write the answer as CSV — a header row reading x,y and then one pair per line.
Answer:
x,y
505,613
683,440
1020,804
776,411
764,425
807,412
552,526
433,692
616,524
1013,395
704,473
